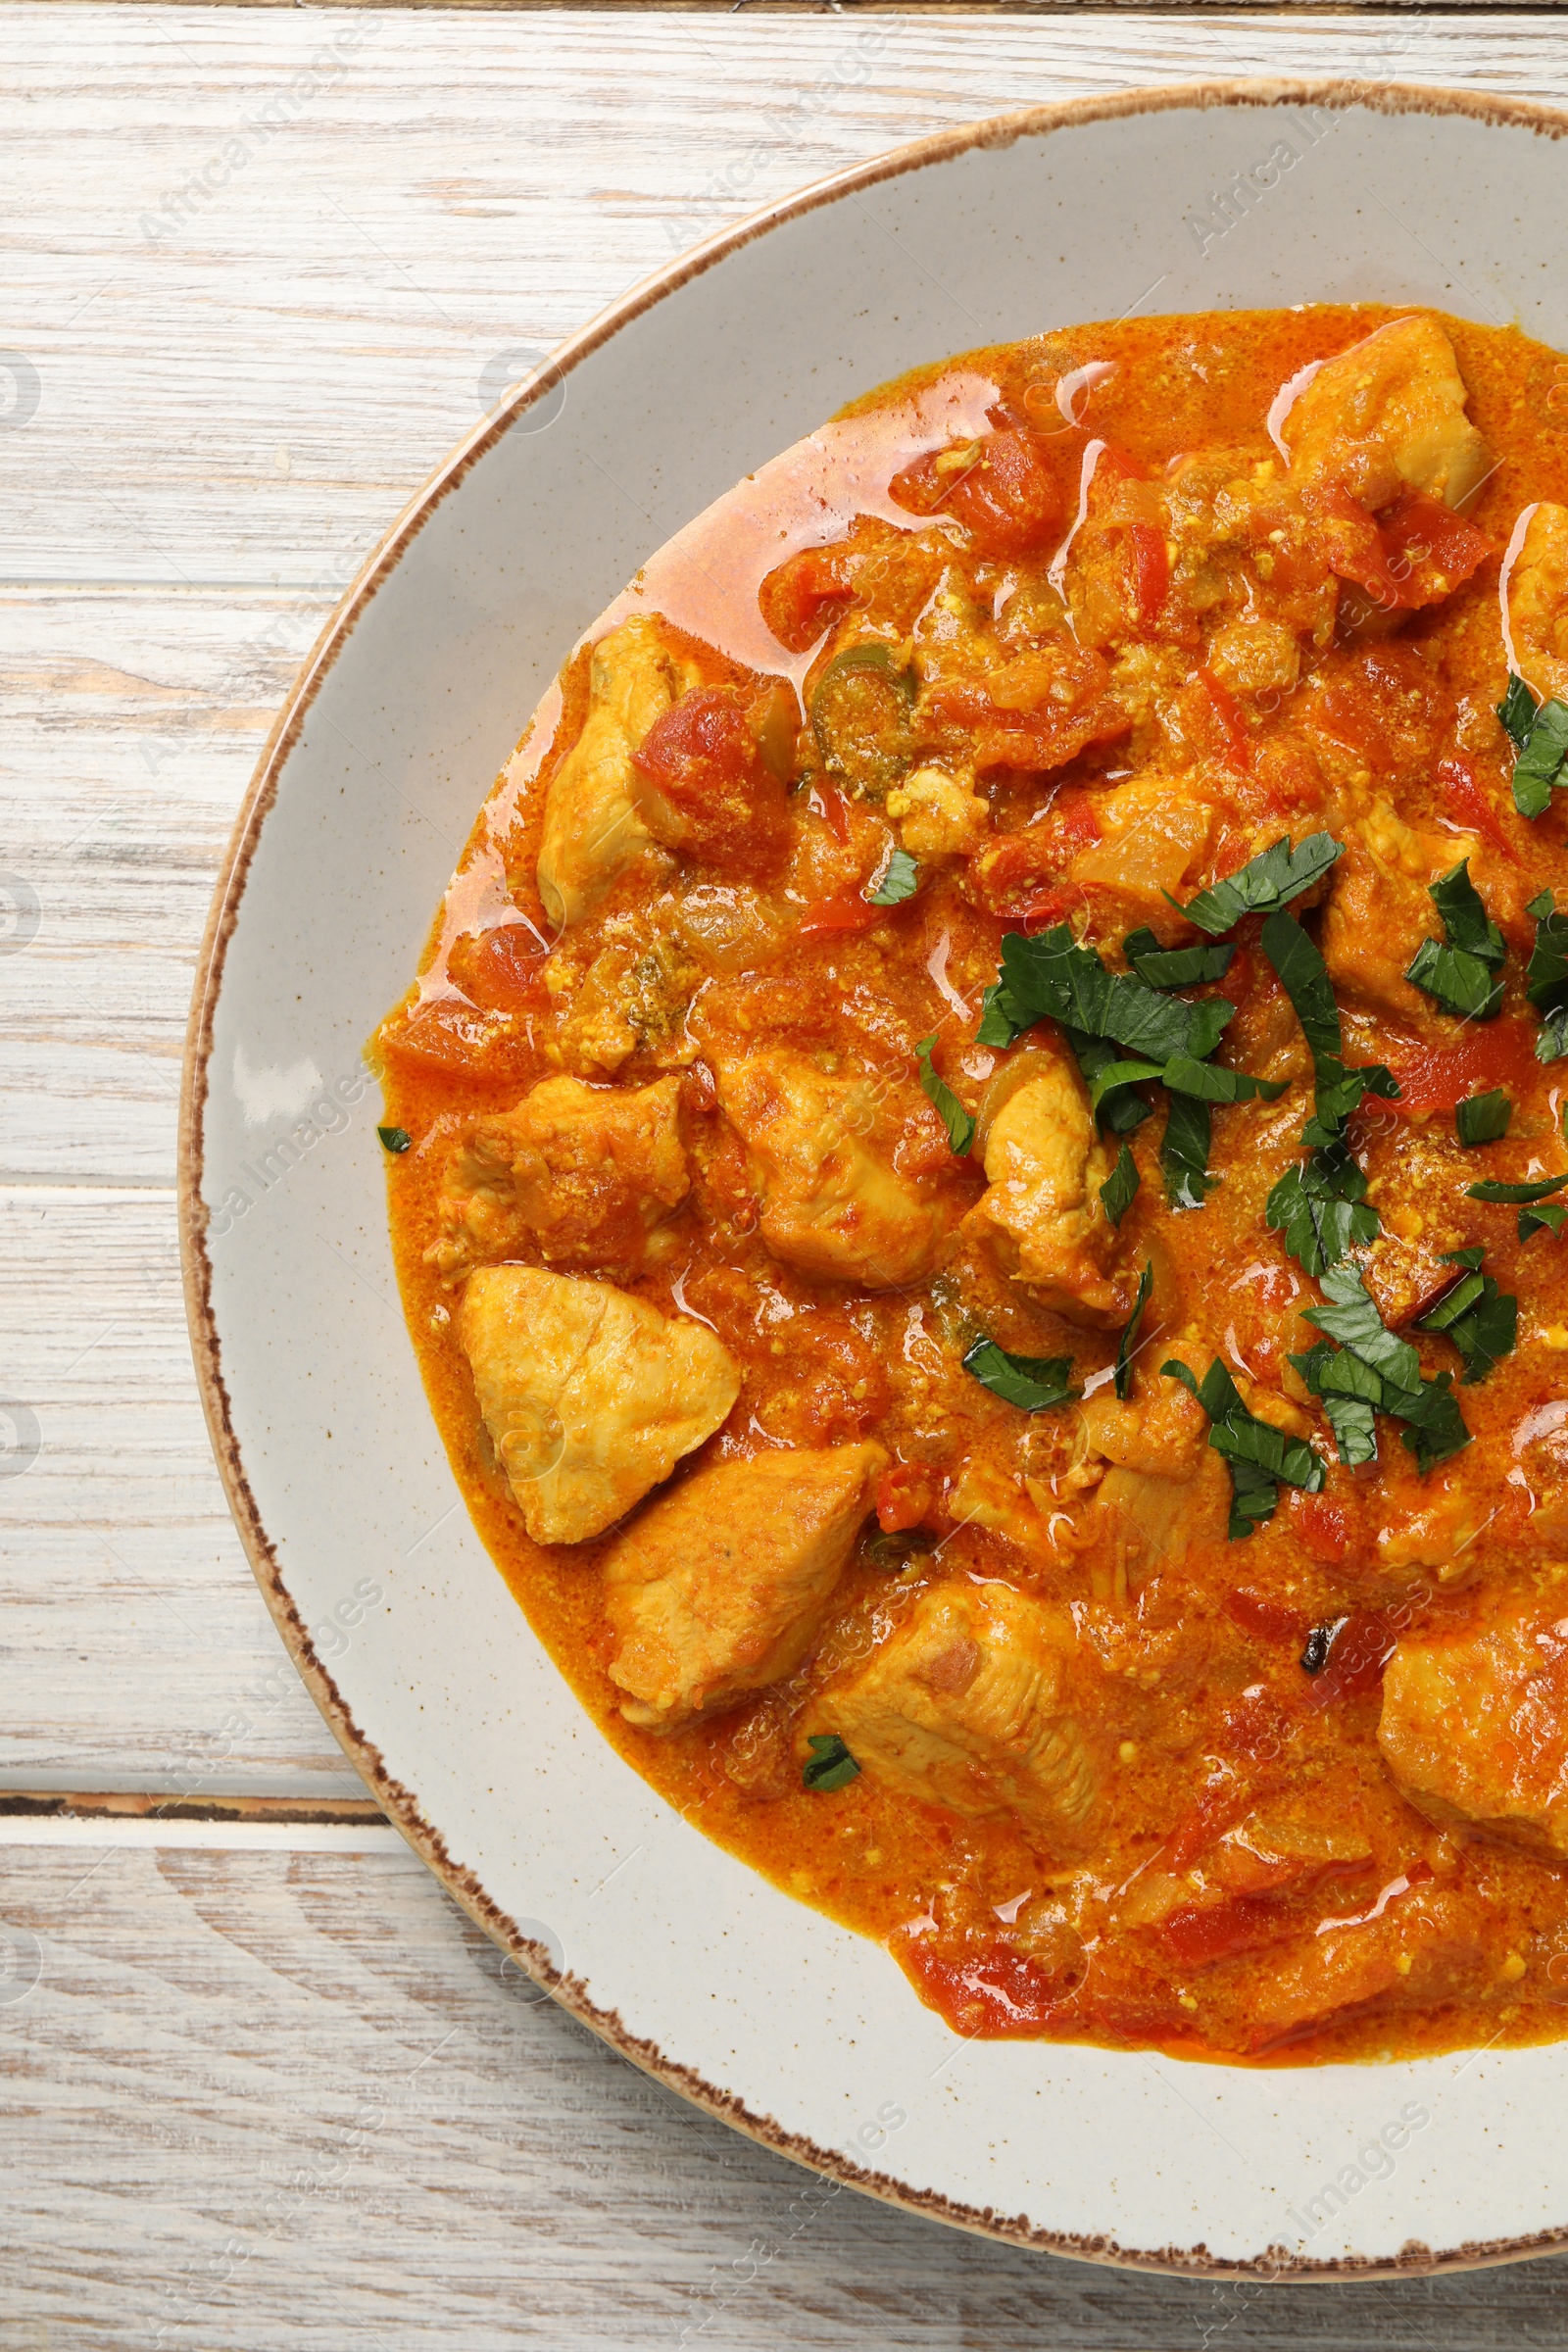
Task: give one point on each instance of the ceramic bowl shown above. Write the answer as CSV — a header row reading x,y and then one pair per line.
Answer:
x,y
767,2014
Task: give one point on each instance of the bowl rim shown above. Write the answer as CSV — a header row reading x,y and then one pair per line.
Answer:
x,y
400,1804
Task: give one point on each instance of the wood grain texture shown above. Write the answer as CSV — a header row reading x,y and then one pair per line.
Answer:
x,y
296,2103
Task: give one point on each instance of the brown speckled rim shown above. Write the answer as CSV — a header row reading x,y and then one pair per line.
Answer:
x,y
400,1804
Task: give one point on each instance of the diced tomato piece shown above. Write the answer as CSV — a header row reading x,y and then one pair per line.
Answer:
x,y
711,792
1214,1814
1005,494
1233,731
847,911
1150,569
1197,1936
1268,1620
1051,906
1357,1655
903,1495
830,807
1428,549
1487,1055
1322,1527
1469,803
1416,553
806,593
503,968
989,1995
1073,821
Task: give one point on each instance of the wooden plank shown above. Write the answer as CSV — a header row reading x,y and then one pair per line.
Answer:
x,y
288,2103
135,1650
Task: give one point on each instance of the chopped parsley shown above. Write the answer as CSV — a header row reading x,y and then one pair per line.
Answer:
x,y
949,1110
395,1138
1461,974
1482,1118
1547,977
1541,737
1516,1192
1258,1455
1127,1345
1263,885
1175,967
1033,1383
829,1765
900,879
1184,1152
1480,1318
1120,1188
1320,1205
1383,1374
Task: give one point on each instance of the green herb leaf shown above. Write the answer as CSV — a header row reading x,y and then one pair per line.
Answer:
x,y
1352,1318
1517,710
1175,967
1033,1383
1114,1074
1461,983
1547,977
1481,1320
1436,1426
893,1549
1127,1345
1516,1192
900,880
1052,977
1549,1218
1256,1454
1347,1391
1466,923
829,1766
1482,1118
1461,975
1184,1152
1265,883
1120,1188
396,1139
1001,1021
1375,1370
1320,1208
1543,747
1118,1106
1185,1076
1319,1212
949,1110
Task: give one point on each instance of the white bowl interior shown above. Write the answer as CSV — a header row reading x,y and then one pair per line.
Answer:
x,y
700,1961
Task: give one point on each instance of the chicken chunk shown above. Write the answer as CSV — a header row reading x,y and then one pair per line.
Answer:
x,y
1157,832
978,1702
1045,1163
720,1587
819,1154
1389,414
1167,1490
584,1175
938,815
1475,1726
1538,602
590,1396
1380,910
592,829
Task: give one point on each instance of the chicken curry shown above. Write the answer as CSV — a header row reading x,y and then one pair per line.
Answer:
x,y
977,1171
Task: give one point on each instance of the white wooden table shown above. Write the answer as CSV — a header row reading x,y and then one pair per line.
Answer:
x,y
261,2085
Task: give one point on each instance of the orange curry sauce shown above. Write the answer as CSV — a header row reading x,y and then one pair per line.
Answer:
x,y
1143,616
